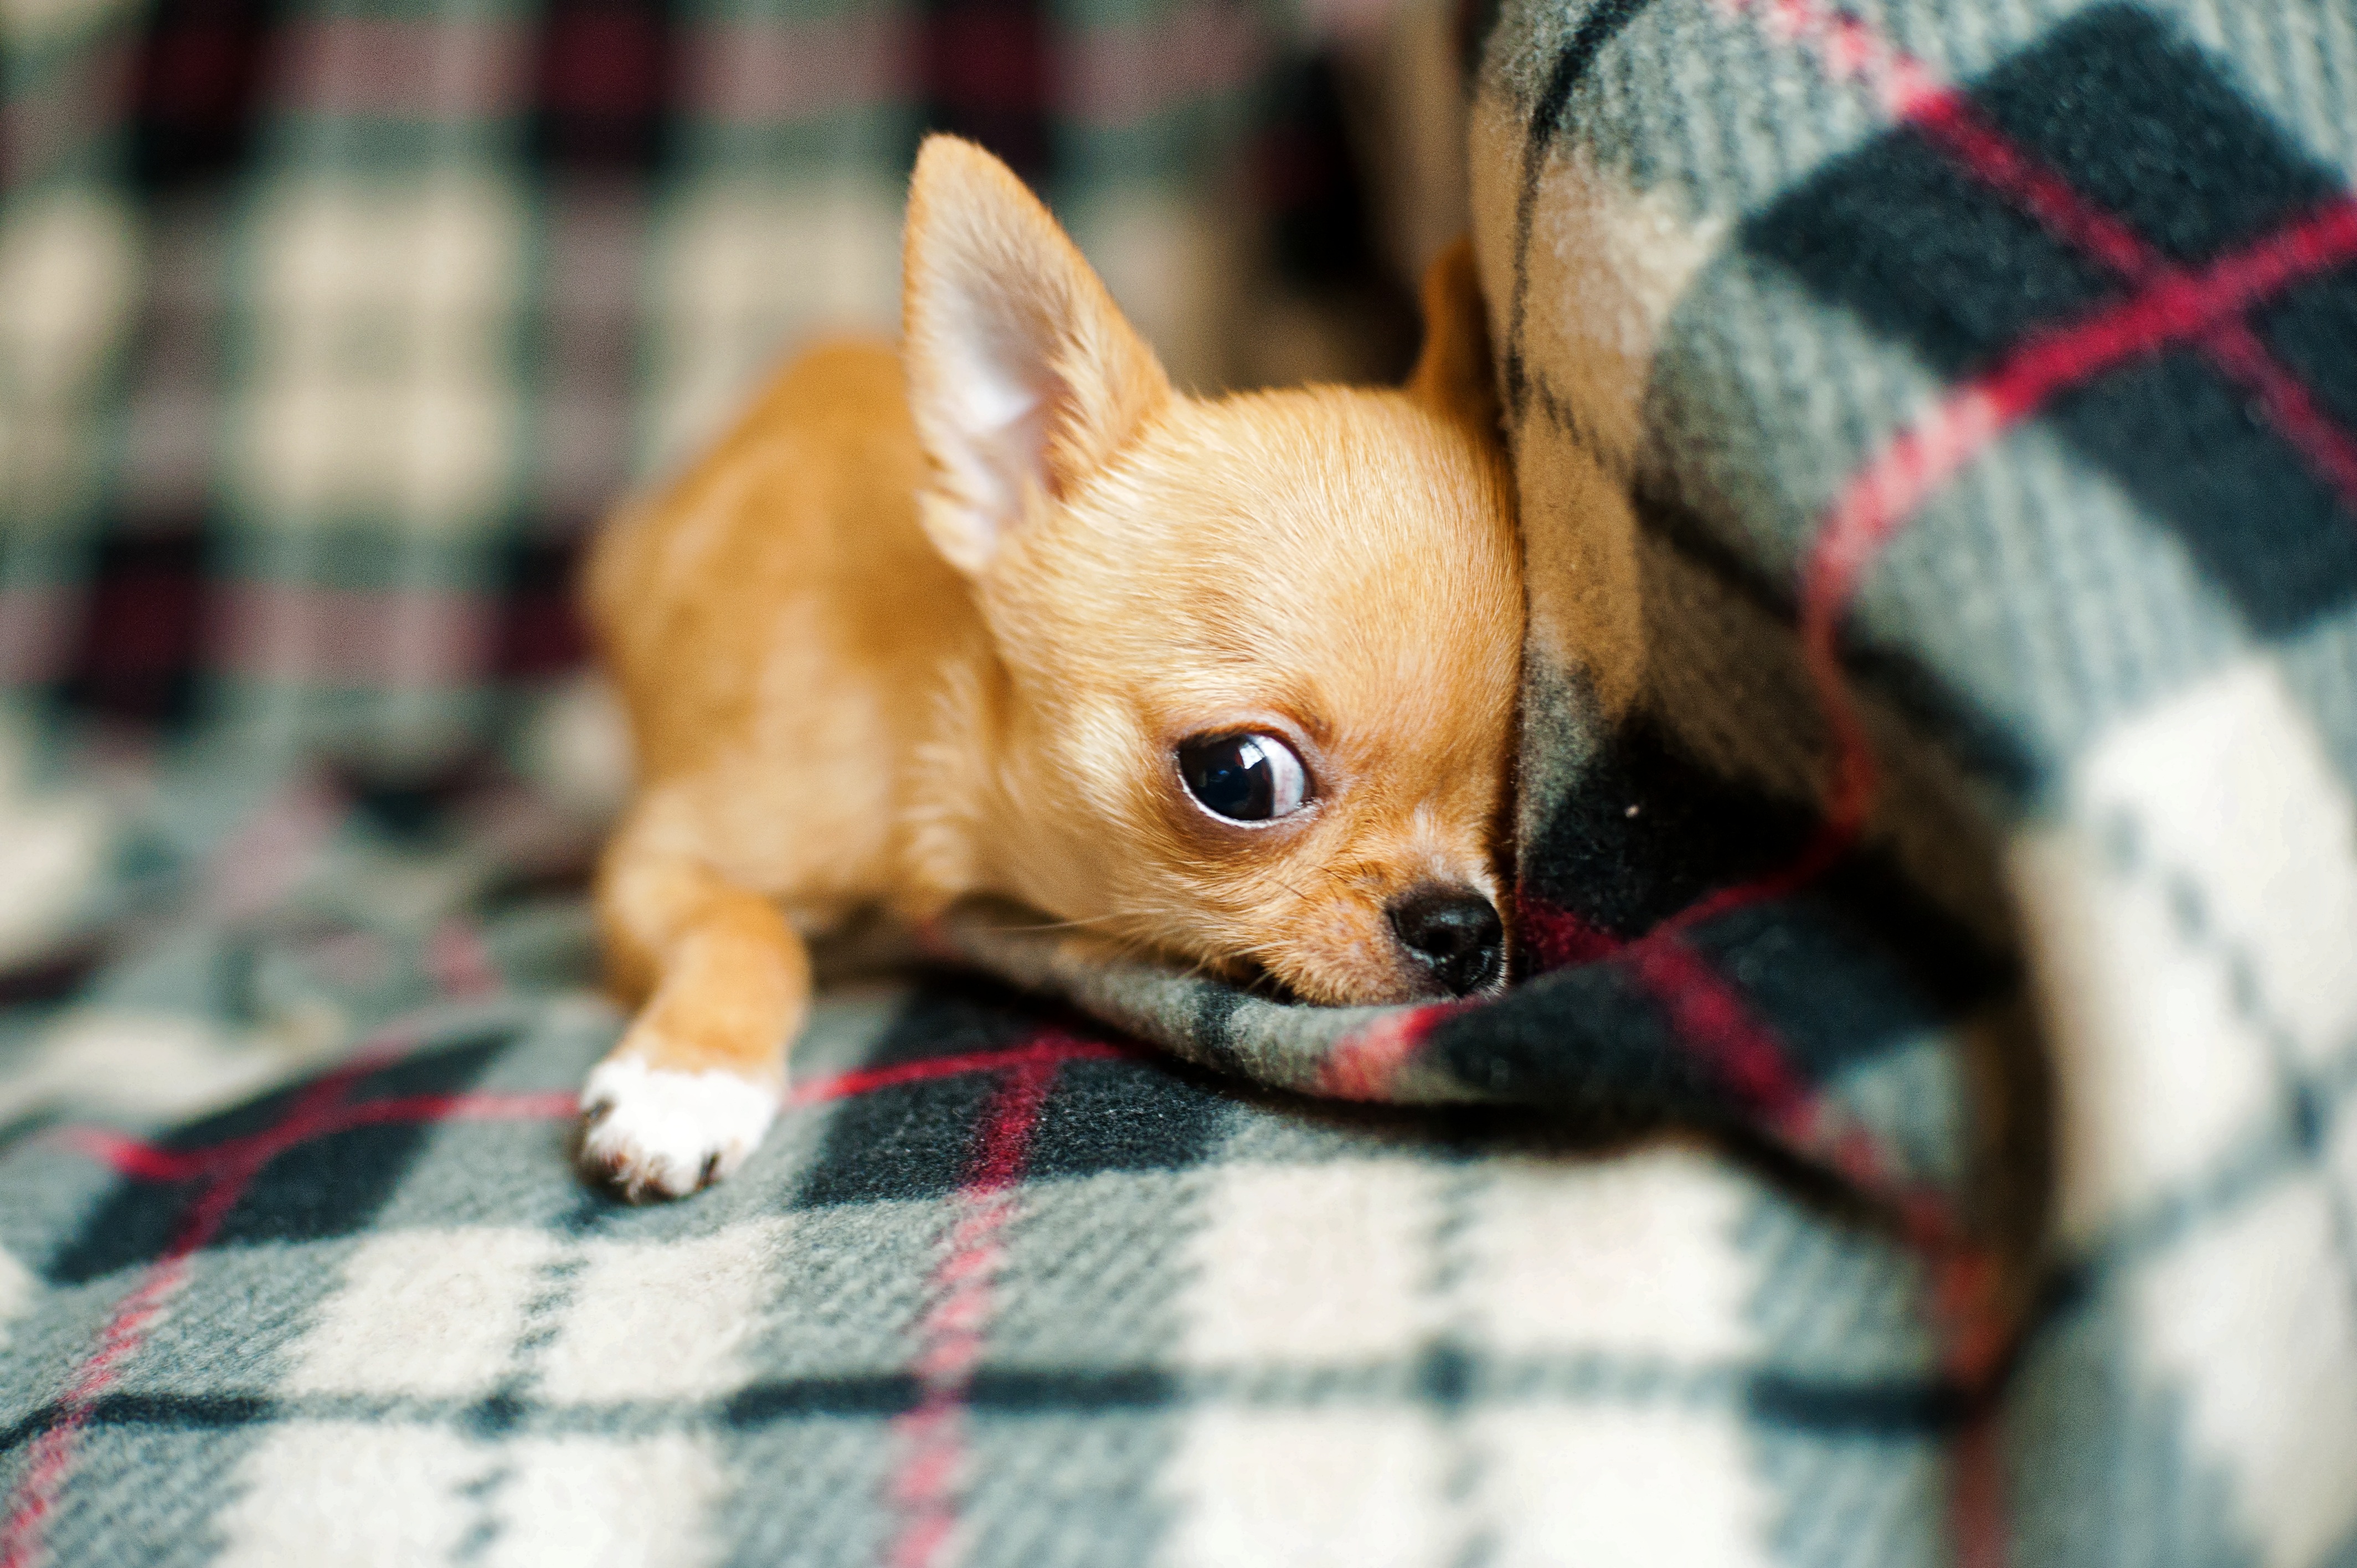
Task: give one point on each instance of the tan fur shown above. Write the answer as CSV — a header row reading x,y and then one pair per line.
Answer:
x,y
872,658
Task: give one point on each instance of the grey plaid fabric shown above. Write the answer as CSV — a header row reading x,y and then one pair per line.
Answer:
x,y
1937,443
1975,378
326,329
1188,1328
1920,1134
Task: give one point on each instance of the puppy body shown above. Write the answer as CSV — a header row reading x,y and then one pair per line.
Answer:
x,y
993,615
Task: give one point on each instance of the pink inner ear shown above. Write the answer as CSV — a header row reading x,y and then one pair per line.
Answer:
x,y
1023,442
1004,397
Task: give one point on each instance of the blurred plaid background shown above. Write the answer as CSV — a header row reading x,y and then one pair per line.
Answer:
x,y
326,334
327,328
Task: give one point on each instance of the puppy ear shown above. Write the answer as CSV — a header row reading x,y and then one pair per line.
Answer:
x,y
1453,376
1023,375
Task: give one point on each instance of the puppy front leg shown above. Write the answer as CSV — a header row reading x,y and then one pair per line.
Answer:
x,y
695,1080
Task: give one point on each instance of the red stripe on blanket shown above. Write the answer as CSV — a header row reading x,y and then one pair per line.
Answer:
x,y
1912,93
1049,1052
924,1487
392,638
1366,1065
51,1460
1709,1014
781,71
2289,405
142,1161
428,69
1120,74
2174,305
1952,122
35,622
926,1480
1556,937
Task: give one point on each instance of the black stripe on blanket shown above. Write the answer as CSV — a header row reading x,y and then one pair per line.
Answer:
x,y
2101,170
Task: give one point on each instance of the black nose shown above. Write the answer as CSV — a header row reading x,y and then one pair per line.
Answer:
x,y
1454,932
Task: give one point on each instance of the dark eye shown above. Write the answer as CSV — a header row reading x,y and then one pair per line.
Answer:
x,y
1244,778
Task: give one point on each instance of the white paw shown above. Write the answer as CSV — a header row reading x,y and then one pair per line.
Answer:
x,y
654,1134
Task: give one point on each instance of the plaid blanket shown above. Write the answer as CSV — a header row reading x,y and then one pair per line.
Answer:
x,y
1920,1131
1937,442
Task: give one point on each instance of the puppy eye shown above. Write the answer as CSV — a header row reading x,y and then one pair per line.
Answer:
x,y
1244,778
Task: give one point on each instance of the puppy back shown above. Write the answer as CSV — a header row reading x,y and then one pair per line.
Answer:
x,y
636,570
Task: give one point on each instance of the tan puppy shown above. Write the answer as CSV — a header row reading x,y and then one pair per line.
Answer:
x,y
1230,681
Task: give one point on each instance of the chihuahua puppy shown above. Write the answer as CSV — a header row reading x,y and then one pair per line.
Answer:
x,y
1230,681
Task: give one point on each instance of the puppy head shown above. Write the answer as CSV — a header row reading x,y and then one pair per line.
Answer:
x,y
1257,656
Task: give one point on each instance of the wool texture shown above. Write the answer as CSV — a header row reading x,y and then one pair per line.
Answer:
x,y
1920,1131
